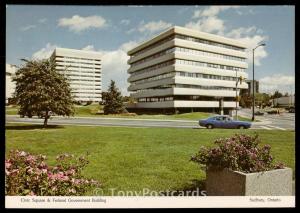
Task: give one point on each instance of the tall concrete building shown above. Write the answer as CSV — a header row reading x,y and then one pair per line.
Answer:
x,y
183,69
10,86
83,70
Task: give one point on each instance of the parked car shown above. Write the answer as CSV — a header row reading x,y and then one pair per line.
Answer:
x,y
223,121
259,113
291,110
273,111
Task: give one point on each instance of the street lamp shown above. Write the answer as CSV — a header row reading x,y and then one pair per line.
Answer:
x,y
253,95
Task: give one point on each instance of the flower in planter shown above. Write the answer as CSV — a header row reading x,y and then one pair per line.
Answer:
x,y
238,153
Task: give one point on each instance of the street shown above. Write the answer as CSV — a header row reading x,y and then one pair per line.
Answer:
x,y
268,122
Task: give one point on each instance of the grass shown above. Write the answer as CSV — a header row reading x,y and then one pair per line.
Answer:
x,y
91,111
137,158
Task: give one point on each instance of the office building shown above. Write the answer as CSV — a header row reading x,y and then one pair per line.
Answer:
x,y
187,70
250,87
83,70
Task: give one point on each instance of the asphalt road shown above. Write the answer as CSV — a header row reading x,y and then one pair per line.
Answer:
x,y
269,123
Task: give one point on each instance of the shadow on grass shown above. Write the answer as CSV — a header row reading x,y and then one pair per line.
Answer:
x,y
31,127
194,188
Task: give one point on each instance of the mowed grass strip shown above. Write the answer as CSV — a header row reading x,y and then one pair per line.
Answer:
x,y
137,158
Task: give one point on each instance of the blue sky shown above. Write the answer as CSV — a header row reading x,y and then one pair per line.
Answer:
x,y
34,31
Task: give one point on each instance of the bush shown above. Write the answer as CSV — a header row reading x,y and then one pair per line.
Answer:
x,y
238,153
27,174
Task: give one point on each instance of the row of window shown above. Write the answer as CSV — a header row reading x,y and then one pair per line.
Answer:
x,y
77,62
154,78
151,57
153,45
204,87
208,76
188,38
186,62
86,92
153,89
213,43
72,66
203,64
86,84
79,79
89,89
78,71
184,98
86,59
206,53
160,99
187,50
154,67
91,76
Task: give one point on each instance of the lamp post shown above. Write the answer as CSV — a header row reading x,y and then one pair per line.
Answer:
x,y
253,95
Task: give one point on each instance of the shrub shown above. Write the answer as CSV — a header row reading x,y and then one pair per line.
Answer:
x,y
238,153
27,174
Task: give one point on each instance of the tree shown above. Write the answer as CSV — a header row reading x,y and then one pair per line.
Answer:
x,y
113,100
245,100
40,89
277,94
262,99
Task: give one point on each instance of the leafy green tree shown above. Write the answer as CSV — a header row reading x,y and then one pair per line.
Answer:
x,y
113,100
262,99
41,90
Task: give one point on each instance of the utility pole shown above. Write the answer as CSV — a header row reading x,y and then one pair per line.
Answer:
x,y
253,91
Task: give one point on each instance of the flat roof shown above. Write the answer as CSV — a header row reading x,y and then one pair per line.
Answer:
x,y
76,52
188,32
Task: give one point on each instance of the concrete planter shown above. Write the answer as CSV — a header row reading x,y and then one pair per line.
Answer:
x,y
226,182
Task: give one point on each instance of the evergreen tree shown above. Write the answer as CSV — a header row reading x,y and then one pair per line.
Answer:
x,y
40,89
113,100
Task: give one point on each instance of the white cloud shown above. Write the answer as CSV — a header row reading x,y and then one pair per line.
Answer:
x,y
280,82
114,65
211,24
212,11
89,48
78,23
42,20
125,21
209,21
153,26
45,52
251,37
28,27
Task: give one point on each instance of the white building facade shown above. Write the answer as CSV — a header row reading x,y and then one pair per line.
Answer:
x,y
83,70
186,69
10,86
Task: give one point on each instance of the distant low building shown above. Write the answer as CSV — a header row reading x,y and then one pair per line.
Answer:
x,y
10,86
288,101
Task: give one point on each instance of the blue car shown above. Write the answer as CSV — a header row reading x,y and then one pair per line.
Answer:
x,y
223,121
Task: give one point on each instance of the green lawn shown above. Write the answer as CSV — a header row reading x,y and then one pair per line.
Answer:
x,y
91,111
136,158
